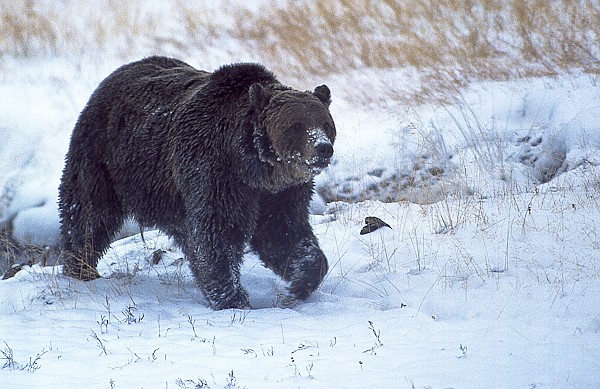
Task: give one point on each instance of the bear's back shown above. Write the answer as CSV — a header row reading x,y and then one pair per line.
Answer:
x,y
149,81
236,79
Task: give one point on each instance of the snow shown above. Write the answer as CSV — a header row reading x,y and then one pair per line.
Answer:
x,y
508,300
488,277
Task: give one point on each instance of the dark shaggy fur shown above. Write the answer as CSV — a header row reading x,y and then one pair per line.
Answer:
x,y
215,160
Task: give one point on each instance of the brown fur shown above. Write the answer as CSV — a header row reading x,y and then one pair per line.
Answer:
x,y
215,160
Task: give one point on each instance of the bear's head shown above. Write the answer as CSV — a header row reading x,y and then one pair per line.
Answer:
x,y
293,131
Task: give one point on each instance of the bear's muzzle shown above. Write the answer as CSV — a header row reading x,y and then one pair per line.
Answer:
x,y
322,149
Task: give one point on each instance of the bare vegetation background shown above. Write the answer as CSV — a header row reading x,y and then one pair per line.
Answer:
x,y
450,43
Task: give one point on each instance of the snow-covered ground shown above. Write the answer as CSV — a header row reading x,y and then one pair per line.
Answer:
x,y
488,278
508,299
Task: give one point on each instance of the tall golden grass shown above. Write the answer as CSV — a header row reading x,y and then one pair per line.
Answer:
x,y
30,28
25,29
450,43
336,35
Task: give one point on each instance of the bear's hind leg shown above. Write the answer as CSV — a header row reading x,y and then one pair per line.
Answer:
x,y
90,218
85,242
82,246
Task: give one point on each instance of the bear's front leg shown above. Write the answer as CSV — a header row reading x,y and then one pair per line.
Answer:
x,y
285,242
215,263
307,268
216,230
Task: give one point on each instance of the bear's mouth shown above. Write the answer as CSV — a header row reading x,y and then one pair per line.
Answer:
x,y
317,164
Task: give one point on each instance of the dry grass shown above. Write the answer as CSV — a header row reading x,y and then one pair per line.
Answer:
x,y
34,28
25,29
449,43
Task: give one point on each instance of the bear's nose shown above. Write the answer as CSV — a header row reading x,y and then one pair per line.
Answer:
x,y
324,150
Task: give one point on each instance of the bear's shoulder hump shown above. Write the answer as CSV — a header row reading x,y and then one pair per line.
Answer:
x,y
239,76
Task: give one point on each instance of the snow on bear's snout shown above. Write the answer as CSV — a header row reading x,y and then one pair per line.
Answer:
x,y
321,149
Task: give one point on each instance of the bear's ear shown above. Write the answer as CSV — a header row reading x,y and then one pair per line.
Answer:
x,y
324,94
259,97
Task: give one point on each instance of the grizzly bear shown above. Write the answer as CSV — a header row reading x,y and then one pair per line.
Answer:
x,y
215,160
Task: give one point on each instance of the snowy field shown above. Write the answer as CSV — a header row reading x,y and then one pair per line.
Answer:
x,y
489,276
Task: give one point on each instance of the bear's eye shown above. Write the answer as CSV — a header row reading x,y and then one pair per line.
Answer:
x,y
297,127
